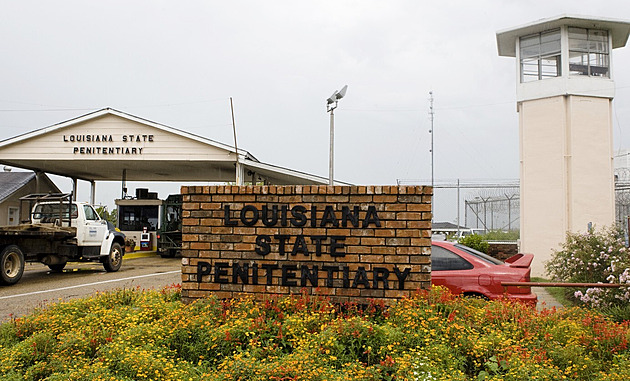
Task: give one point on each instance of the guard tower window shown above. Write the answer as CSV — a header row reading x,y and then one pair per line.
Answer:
x,y
588,52
540,56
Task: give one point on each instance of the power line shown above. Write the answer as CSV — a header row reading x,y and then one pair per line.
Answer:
x,y
50,109
98,108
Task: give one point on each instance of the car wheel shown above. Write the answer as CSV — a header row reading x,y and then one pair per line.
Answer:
x,y
113,261
11,265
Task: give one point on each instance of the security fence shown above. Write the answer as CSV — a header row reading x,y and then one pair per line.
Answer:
x,y
495,205
483,205
622,195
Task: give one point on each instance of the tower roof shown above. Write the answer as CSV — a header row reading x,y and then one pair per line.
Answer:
x,y
619,30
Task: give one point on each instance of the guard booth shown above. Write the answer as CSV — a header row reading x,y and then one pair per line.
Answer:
x,y
138,218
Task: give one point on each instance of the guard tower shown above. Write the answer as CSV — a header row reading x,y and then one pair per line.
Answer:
x,y
564,98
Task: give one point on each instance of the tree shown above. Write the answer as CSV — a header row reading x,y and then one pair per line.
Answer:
x,y
107,216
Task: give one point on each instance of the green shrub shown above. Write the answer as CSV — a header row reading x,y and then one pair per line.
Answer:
x,y
475,241
500,235
618,313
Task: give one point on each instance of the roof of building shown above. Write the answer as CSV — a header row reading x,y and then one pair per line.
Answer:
x,y
11,182
446,226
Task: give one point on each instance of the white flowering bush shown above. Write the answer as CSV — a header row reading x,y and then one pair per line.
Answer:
x,y
594,257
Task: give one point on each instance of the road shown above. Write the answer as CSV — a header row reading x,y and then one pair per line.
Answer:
x,y
39,286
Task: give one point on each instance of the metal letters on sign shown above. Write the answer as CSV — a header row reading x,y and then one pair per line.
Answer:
x,y
288,274
91,144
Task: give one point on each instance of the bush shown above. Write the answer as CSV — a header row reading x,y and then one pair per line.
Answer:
x,y
475,241
594,257
500,235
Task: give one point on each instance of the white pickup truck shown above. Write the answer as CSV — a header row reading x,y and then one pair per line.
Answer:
x,y
58,230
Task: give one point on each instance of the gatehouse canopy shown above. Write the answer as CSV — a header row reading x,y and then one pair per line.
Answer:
x,y
110,145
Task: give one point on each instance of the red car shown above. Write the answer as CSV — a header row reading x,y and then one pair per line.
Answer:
x,y
469,272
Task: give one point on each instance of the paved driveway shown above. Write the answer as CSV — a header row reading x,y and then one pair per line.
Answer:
x,y
39,286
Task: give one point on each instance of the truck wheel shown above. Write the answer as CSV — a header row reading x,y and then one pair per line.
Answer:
x,y
114,260
11,265
168,253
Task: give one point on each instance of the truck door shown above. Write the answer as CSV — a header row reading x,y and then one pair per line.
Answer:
x,y
93,232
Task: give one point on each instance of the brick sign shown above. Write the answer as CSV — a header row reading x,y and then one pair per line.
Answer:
x,y
351,243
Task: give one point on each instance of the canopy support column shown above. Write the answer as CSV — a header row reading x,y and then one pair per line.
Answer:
x,y
240,173
92,191
74,189
124,184
38,181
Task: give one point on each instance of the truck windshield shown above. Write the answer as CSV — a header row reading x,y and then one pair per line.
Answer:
x,y
43,211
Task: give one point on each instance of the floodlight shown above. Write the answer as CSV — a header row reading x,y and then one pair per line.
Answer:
x,y
341,93
332,98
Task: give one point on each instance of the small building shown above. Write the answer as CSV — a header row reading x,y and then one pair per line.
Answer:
x,y
14,185
448,229
140,216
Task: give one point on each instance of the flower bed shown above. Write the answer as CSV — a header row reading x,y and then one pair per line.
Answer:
x,y
136,335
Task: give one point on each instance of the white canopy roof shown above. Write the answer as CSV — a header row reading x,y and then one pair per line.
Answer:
x,y
101,145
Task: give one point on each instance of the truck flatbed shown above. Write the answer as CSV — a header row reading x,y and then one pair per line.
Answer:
x,y
39,230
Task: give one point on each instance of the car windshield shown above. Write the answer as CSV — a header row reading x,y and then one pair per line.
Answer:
x,y
479,254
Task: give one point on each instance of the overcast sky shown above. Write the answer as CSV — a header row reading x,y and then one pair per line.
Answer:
x,y
178,63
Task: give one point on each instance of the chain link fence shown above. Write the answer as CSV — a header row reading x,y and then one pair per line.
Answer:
x,y
622,195
476,204
490,206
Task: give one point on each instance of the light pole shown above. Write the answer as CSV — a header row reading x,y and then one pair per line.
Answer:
x,y
331,105
431,113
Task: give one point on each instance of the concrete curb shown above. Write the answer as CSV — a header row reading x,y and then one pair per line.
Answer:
x,y
140,254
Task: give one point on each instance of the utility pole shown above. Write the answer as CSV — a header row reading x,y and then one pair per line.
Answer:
x,y
239,166
458,198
